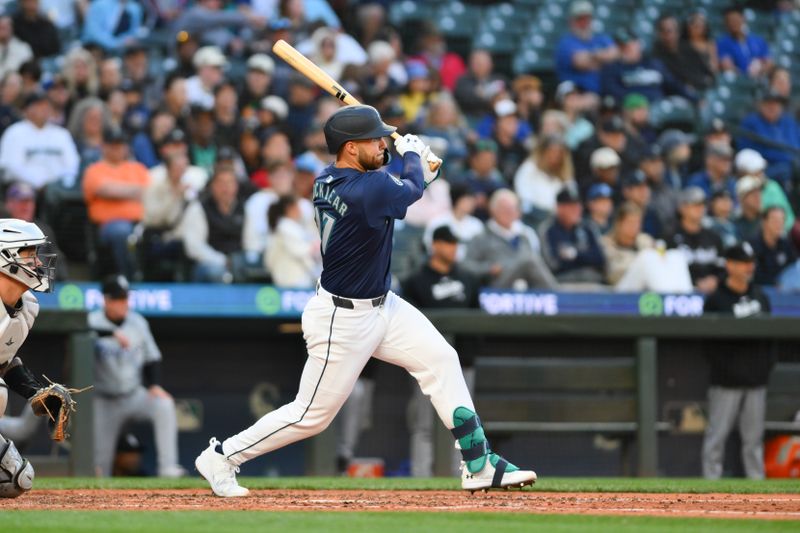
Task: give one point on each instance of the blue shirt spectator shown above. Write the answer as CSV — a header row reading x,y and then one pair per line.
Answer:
x,y
581,53
716,175
634,73
570,247
773,133
741,50
112,24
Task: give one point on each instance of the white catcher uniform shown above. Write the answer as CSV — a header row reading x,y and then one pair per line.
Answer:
x,y
354,316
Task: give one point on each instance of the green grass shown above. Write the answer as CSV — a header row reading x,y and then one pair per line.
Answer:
x,y
251,522
733,486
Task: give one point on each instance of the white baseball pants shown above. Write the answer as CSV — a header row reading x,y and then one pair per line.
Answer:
x,y
340,341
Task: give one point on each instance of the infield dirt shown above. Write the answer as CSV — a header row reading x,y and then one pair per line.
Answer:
x,y
764,506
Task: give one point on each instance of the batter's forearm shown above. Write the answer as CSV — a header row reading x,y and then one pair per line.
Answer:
x,y
412,174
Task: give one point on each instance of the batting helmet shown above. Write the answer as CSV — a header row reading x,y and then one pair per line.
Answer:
x,y
352,123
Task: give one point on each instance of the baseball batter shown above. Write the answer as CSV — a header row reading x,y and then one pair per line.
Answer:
x,y
354,315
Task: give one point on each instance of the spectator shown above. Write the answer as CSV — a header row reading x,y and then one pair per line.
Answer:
x,y
209,62
624,242
605,164
384,75
13,51
433,51
418,92
20,203
690,58
165,202
444,121
512,137
542,176
34,28
663,197
643,267
572,250
716,175
271,115
508,254
316,157
211,25
302,102
113,189
202,138
780,83
635,73
112,24
145,143
441,283
636,190
483,178
226,113
324,52
175,100
581,53
459,220
215,240
80,73
65,14
293,257
636,115
136,67
720,208
476,90
36,151
127,376
88,120
739,370
611,133
275,152
748,219
256,232
676,151
742,51
257,82
599,208
110,76
10,99
528,95
775,134
175,142
575,105
773,251
750,162
701,247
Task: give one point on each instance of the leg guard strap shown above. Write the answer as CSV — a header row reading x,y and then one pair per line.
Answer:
x,y
499,470
468,426
476,452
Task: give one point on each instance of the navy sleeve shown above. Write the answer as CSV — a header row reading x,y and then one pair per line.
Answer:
x,y
388,196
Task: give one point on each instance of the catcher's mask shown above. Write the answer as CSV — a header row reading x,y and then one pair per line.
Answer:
x,y
23,256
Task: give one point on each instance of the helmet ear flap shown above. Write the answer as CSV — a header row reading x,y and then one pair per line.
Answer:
x,y
387,156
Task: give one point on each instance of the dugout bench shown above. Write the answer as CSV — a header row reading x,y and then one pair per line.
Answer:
x,y
613,396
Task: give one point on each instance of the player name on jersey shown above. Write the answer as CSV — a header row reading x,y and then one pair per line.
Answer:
x,y
325,192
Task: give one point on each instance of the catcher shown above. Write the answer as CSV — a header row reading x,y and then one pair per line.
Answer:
x,y
24,266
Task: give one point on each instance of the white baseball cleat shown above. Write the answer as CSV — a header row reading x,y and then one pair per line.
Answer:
x,y
497,473
219,472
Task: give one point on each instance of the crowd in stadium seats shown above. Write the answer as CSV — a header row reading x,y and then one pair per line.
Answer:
x,y
583,142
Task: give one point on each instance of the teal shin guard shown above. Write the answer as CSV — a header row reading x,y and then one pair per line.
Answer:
x,y
472,441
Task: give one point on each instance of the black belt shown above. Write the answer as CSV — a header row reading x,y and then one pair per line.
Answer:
x,y
338,301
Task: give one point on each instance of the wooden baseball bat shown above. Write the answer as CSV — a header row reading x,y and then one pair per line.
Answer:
x,y
311,71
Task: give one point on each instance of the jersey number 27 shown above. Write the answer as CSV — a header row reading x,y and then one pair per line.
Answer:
x,y
325,222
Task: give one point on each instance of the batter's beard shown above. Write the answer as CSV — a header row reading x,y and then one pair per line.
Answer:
x,y
373,163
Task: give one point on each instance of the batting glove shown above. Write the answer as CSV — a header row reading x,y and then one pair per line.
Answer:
x,y
429,158
409,143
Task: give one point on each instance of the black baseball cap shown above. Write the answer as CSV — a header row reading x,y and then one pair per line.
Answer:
x,y
444,233
34,98
173,137
634,179
613,125
115,136
740,252
568,196
115,287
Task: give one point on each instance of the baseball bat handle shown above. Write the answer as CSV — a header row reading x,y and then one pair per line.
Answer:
x,y
433,164
310,70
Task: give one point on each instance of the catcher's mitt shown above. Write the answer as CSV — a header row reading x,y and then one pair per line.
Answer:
x,y
55,401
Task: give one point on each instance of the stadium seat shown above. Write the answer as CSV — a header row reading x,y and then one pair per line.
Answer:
x,y
673,112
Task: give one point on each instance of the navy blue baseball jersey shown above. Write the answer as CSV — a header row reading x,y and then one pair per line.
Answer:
x,y
355,214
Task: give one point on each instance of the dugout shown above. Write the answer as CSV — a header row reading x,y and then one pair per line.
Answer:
x,y
226,372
